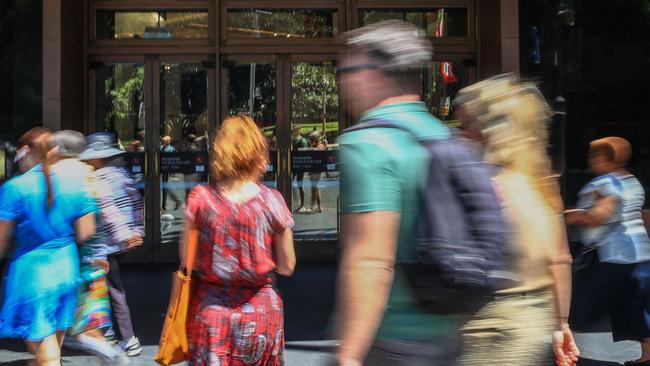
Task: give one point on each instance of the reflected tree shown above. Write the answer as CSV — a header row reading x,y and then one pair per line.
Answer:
x,y
315,95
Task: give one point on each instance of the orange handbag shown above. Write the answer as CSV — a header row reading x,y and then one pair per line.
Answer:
x,y
173,347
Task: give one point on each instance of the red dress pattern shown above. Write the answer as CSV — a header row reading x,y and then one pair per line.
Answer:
x,y
236,313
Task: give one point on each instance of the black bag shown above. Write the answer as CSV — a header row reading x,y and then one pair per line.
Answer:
x,y
462,258
586,258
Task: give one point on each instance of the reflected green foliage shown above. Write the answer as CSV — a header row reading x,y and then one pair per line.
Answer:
x,y
282,23
123,89
120,89
314,91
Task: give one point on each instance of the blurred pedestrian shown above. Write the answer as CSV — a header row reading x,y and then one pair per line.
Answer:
x,y
93,309
119,228
382,169
167,147
299,143
618,280
508,118
243,230
191,179
44,214
316,143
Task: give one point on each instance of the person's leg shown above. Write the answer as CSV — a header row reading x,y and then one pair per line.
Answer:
x,y
47,351
121,313
317,195
164,181
631,316
590,297
314,178
301,193
301,190
510,330
60,337
442,351
94,343
174,196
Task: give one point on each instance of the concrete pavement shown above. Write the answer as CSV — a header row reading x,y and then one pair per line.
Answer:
x,y
309,303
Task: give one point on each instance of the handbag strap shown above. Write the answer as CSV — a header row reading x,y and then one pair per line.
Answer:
x,y
190,249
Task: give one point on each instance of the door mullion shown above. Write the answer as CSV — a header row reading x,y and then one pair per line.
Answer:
x,y
154,127
284,127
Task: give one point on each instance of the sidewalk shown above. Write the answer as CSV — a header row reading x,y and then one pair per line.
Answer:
x,y
309,301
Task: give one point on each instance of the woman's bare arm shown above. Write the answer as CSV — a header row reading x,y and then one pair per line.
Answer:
x,y
285,252
84,228
6,232
602,210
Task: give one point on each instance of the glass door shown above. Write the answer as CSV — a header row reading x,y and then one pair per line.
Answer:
x,y
158,109
315,124
295,103
182,142
121,97
251,89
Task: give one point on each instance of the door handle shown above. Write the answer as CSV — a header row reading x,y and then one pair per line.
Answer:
x,y
288,166
146,164
156,160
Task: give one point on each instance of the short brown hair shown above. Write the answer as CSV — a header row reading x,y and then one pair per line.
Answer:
x,y
616,150
238,150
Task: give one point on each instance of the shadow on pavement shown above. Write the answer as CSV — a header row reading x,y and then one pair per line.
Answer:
x,y
310,348
13,345
15,363
588,362
308,299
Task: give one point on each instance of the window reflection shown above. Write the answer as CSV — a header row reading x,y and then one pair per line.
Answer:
x,y
183,141
282,23
251,91
442,22
113,24
440,81
314,145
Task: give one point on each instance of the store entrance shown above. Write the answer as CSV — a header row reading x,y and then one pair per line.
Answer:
x,y
294,99
159,108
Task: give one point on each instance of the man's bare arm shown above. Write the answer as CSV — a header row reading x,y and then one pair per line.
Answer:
x,y
365,278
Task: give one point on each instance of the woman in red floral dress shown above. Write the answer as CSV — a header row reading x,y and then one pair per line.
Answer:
x,y
244,238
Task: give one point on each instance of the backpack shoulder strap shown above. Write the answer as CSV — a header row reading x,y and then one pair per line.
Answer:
x,y
376,123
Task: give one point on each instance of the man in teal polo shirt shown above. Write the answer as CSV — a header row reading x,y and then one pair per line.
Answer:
x,y
382,169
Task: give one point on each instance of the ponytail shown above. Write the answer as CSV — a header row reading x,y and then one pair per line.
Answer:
x,y
38,141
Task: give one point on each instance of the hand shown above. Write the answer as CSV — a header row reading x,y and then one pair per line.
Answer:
x,y
101,263
564,346
348,362
134,241
573,217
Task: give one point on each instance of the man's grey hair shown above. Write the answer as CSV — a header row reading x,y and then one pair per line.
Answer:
x,y
70,143
393,45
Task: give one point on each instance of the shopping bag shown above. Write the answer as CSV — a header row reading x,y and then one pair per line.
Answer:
x,y
173,340
173,346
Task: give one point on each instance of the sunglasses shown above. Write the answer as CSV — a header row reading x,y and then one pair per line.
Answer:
x,y
354,68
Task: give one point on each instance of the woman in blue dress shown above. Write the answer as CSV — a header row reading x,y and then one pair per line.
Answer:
x,y
43,214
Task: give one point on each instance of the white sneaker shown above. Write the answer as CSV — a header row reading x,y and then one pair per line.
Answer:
x,y
131,346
